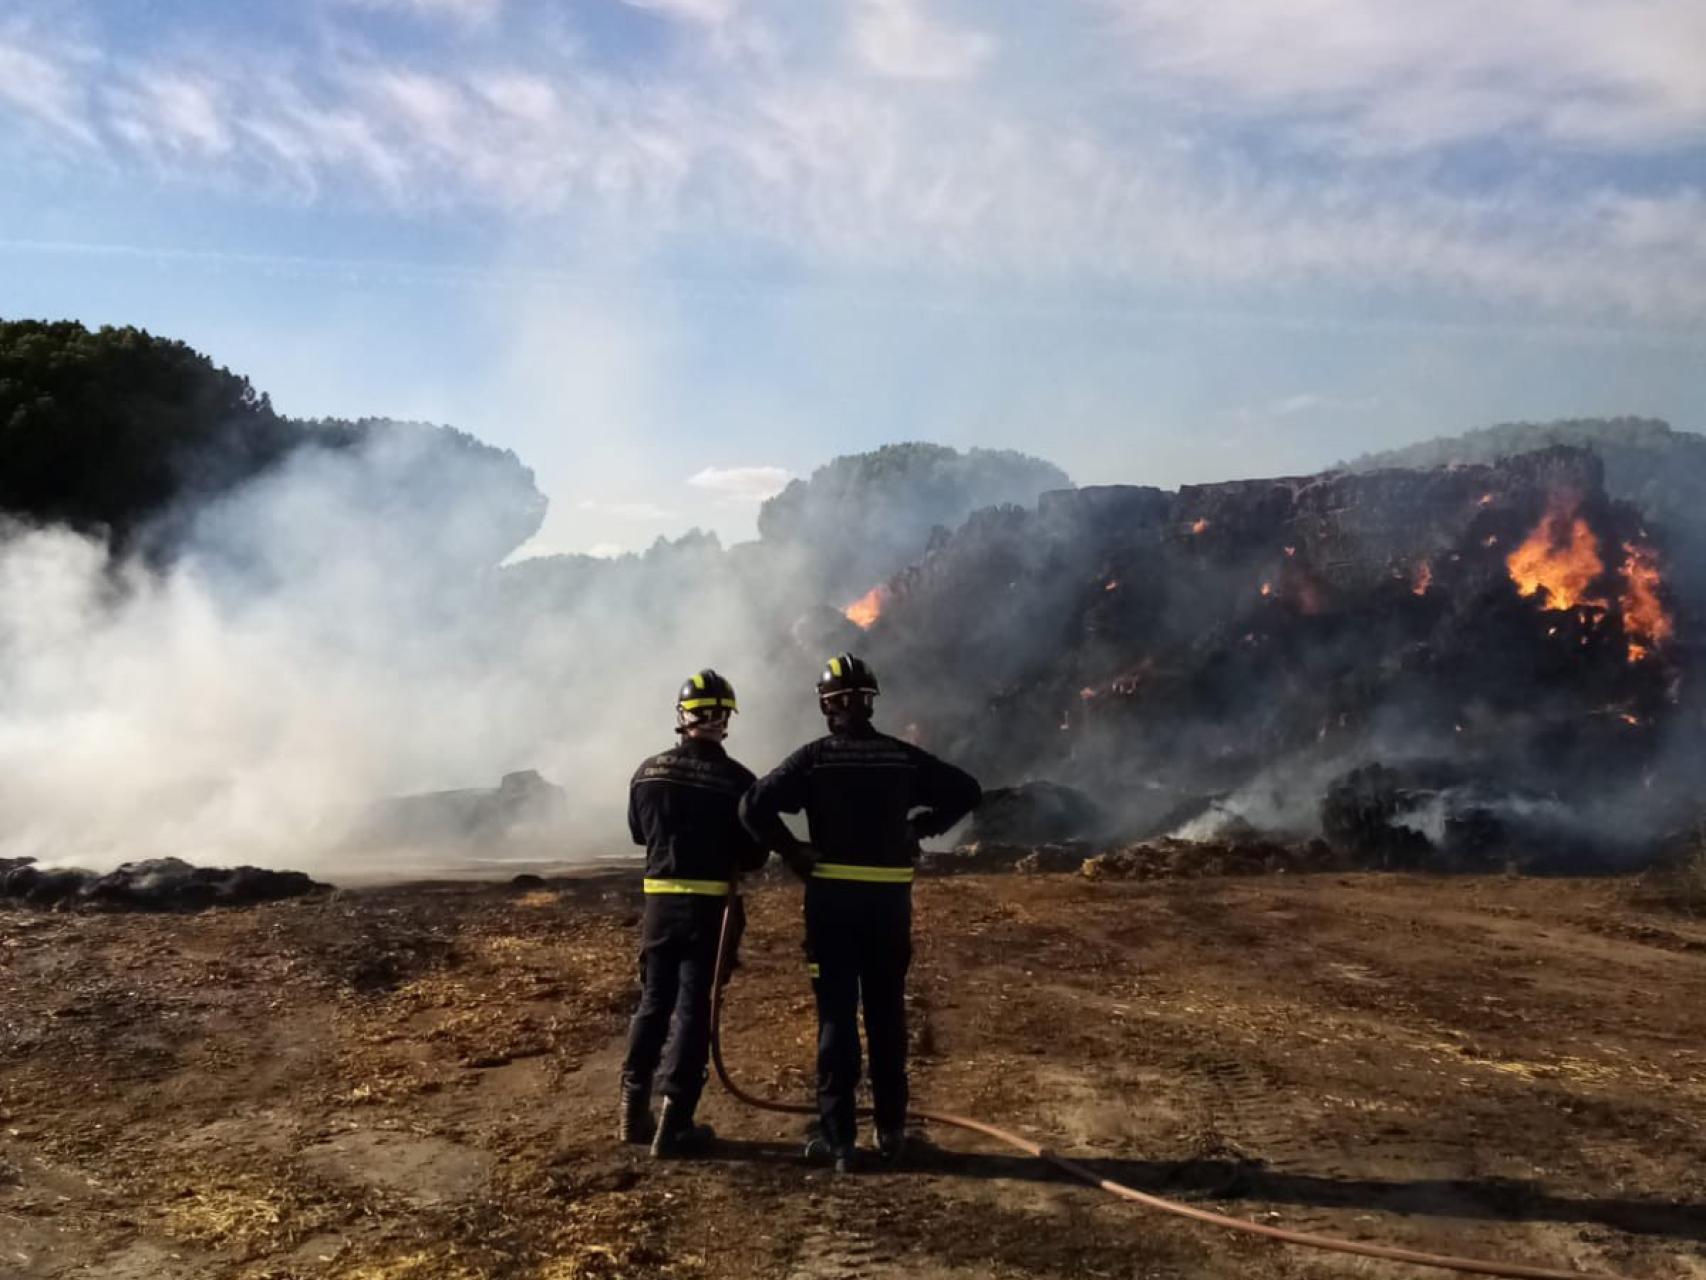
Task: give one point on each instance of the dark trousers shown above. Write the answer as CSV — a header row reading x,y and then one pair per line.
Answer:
x,y
678,952
859,942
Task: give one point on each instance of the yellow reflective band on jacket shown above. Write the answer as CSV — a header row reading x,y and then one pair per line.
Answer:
x,y
706,888
693,704
870,875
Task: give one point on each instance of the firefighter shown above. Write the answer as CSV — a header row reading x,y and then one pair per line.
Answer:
x,y
682,805
868,800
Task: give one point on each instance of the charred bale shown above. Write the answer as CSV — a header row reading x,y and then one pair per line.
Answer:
x,y
1141,644
1362,815
522,807
1035,813
50,887
158,884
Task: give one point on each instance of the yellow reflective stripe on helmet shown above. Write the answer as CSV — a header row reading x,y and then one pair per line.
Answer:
x,y
694,704
705,888
835,668
870,875
699,681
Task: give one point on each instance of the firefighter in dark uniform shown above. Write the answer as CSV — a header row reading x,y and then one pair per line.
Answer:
x,y
868,800
682,805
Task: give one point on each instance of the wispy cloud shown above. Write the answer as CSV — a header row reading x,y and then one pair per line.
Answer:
x,y
899,38
741,484
705,11
1378,74
44,85
463,11
797,138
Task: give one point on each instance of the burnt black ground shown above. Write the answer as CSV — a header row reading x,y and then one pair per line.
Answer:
x,y
419,1081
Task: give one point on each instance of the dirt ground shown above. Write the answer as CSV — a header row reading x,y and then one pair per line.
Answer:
x,y
418,1082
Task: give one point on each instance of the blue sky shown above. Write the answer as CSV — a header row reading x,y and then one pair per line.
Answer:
x,y
673,251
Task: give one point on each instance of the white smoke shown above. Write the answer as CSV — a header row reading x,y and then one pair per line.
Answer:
x,y
336,633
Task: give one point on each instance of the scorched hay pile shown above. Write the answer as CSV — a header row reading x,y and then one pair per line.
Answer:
x,y
1436,663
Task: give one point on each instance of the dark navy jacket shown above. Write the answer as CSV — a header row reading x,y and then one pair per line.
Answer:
x,y
862,792
682,805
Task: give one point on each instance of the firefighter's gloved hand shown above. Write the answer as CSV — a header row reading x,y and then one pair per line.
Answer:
x,y
801,860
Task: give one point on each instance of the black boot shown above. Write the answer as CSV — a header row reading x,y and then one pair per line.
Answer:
x,y
635,1124
677,1135
891,1144
844,1158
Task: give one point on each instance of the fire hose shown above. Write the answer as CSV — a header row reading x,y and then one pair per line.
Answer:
x,y
1308,1240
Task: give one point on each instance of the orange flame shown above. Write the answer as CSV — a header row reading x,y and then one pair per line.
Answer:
x,y
1423,580
867,608
1561,558
1645,620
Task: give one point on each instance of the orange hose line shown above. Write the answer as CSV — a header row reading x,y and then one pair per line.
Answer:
x,y
1303,1239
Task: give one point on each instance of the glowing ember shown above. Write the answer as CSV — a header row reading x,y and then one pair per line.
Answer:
x,y
1491,540
1087,693
1423,579
1645,620
1631,719
1113,585
1561,558
1486,499
1291,551
867,608
1267,588
1199,526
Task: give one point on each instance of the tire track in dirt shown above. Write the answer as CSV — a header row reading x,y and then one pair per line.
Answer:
x,y
1245,1125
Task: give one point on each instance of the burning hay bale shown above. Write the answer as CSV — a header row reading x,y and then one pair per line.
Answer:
x,y
158,884
1510,618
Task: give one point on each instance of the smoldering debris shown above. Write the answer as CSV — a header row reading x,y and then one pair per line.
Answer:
x,y
1169,858
1431,813
1035,813
157,884
1258,640
981,857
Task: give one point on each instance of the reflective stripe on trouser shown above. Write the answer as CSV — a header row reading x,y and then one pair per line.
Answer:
x,y
864,874
859,938
700,888
678,957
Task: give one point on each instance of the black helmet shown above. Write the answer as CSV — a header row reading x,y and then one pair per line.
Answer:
x,y
844,674
706,698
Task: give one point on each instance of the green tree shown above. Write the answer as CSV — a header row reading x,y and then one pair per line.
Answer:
x,y
120,433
